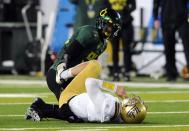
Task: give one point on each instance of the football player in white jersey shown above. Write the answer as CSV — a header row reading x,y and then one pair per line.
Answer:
x,y
84,100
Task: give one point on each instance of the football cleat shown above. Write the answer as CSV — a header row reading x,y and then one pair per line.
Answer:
x,y
60,69
31,114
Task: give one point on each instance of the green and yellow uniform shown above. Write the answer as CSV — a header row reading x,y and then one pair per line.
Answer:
x,y
84,45
87,43
91,45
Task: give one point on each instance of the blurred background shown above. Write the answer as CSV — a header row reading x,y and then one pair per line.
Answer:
x,y
32,32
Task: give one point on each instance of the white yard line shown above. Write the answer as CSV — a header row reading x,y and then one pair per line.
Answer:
x,y
172,112
152,101
159,92
155,85
152,113
99,127
22,103
130,92
128,84
31,95
167,101
23,95
23,82
85,129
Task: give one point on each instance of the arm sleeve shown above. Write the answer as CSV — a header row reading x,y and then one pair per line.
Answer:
x,y
93,87
156,5
94,92
100,84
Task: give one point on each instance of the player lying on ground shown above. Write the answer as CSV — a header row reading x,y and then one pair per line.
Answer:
x,y
84,101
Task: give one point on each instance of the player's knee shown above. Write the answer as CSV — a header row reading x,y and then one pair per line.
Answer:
x,y
95,66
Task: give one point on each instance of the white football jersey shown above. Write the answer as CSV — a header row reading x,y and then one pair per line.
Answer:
x,y
101,109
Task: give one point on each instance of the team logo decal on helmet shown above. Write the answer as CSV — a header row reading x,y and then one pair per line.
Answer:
x,y
109,18
103,12
133,110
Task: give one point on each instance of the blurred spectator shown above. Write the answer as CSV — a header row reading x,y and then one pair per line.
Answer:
x,y
86,11
174,17
125,8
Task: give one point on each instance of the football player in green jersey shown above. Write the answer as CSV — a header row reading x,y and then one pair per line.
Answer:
x,y
87,43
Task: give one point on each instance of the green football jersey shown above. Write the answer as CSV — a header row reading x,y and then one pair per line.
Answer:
x,y
90,40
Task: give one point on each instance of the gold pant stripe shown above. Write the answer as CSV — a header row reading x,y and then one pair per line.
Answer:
x,y
77,85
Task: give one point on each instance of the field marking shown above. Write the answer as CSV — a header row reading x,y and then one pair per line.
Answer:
x,y
23,103
23,95
155,85
130,92
172,112
152,113
99,127
150,101
31,95
11,115
82,130
159,92
23,82
128,84
166,101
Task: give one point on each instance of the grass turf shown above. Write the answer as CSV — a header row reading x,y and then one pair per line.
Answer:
x,y
162,115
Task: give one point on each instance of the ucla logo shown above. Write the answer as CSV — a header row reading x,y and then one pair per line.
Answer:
x,y
104,12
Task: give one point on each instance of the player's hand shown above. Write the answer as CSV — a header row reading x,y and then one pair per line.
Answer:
x,y
121,92
156,24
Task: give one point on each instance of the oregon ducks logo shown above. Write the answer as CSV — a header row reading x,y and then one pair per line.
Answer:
x,y
104,12
92,56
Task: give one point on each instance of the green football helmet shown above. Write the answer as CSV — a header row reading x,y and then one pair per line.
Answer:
x,y
133,110
109,18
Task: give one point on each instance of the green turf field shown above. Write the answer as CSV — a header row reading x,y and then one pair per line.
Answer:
x,y
168,106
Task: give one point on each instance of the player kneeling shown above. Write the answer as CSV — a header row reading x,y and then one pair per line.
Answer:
x,y
83,100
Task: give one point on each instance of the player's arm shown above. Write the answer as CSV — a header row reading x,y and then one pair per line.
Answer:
x,y
95,85
74,71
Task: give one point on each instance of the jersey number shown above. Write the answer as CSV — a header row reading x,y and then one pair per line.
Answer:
x,y
92,56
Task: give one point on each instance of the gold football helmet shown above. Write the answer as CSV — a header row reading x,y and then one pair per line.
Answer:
x,y
133,110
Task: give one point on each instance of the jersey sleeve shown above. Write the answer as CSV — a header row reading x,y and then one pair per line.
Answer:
x,y
93,84
93,88
86,37
96,96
